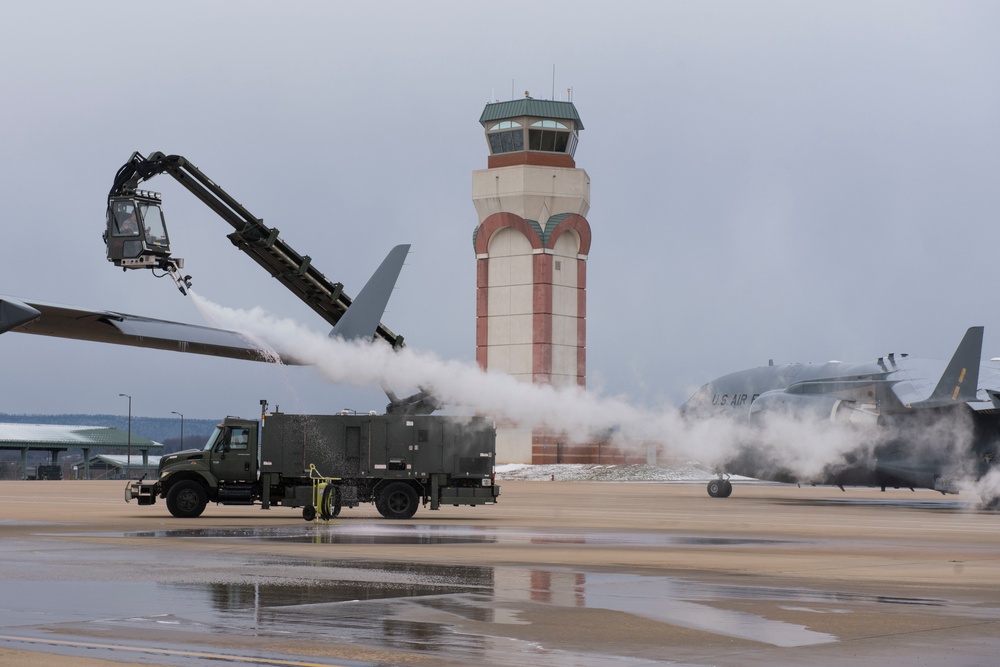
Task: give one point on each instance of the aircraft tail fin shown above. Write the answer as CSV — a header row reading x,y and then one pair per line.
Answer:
x,y
960,380
365,312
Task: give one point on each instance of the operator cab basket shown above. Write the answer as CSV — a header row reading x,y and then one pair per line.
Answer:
x,y
136,236
136,233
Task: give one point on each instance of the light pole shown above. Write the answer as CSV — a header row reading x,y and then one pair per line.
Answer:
x,y
182,426
128,459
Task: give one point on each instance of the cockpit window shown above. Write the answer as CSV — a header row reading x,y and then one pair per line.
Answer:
x,y
152,217
125,222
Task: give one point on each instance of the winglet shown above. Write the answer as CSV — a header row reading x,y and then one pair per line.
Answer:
x,y
365,312
14,313
960,380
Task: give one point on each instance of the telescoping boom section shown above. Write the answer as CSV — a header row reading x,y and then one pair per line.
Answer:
x,y
136,236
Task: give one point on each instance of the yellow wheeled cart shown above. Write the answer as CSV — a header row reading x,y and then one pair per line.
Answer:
x,y
325,497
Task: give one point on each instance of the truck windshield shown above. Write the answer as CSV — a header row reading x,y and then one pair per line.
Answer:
x,y
211,439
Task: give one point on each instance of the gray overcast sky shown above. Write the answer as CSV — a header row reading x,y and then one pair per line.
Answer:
x,y
787,180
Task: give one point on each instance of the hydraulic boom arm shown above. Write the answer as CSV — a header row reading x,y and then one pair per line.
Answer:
x,y
148,246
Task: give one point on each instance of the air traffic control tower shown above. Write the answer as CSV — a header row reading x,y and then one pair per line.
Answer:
x,y
531,246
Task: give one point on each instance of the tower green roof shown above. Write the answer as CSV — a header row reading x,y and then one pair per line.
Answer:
x,y
531,107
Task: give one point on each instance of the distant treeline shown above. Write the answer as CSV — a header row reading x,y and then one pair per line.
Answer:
x,y
160,429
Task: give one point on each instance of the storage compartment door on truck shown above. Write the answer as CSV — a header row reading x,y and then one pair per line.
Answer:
x,y
406,441
431,445
352,447
234,456
474,444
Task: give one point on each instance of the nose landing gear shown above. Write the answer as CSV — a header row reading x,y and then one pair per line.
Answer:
x,y
720,488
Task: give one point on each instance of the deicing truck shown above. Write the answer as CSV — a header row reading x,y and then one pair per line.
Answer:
x,y
322,463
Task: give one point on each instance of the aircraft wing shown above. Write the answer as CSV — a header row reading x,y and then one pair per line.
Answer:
x,y
46,319
359,321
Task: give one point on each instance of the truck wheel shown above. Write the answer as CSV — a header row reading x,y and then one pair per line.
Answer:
x,y
186,499
330,505
397,501
308,512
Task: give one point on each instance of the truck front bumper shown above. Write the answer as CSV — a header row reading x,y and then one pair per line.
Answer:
x,y
144,492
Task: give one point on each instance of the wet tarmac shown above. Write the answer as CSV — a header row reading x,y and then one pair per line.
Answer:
x,y
817,583
439,612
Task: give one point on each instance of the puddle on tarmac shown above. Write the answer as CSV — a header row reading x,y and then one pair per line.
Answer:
x,y
450,612
459,613
416,534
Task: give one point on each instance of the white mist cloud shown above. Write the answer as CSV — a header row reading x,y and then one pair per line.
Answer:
x,y
805,448
459,384
986,487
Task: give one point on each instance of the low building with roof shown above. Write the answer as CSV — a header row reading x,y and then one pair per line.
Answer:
x,y
54,439
116,466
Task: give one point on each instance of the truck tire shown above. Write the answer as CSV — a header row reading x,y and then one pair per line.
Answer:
x,y
330,504
186,499
397,501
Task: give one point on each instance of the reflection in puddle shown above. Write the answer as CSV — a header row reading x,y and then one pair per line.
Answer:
x,y
362,533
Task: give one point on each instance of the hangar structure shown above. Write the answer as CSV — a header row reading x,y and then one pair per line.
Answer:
x,y
117,466
54,439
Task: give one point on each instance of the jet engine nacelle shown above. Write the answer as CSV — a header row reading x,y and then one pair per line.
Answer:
x,y
814,408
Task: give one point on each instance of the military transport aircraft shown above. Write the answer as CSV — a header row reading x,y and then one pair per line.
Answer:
x,y
919,422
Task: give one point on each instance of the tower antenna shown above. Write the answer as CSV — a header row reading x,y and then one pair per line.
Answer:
x,y
553,82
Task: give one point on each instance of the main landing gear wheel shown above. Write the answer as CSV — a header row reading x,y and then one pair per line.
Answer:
x,y
720,488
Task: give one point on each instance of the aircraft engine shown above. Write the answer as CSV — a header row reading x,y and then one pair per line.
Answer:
x,y
815,408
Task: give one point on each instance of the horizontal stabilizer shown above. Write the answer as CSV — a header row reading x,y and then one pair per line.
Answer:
x,y
994,397
960,380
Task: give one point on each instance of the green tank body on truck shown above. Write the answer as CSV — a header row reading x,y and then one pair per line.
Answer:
x,y
323,463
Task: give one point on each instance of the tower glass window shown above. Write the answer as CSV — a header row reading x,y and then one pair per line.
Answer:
x,y
532,134
506,141
551,136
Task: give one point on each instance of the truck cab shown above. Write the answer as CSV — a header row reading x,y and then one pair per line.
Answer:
x,y
232,451
223,471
